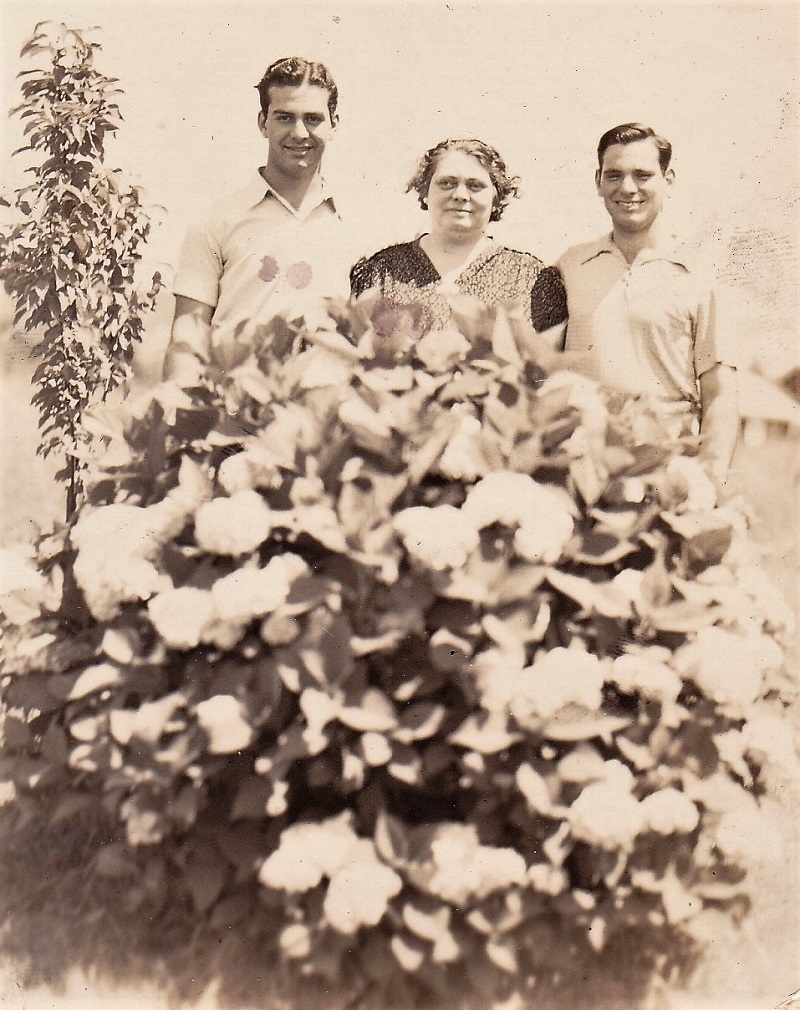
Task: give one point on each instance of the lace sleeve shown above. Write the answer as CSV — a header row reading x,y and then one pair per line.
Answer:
x,y
363,276
548,300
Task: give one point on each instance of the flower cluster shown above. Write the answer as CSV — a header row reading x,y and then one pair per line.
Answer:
x,y
396,650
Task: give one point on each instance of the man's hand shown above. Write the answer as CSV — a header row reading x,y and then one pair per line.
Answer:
x,y
189,346
720,419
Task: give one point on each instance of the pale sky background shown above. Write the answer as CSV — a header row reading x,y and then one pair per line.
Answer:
x,y
539,81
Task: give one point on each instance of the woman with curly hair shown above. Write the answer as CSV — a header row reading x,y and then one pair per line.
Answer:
x,y
464,185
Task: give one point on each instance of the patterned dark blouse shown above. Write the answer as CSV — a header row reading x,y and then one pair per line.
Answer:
x,y
406,276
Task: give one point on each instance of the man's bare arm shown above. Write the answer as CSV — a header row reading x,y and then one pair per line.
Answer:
x,y
189,345
719,427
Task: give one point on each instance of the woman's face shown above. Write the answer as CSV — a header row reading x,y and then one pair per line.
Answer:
x,y
460,195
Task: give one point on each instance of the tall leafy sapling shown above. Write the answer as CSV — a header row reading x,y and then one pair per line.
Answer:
x,y
74,239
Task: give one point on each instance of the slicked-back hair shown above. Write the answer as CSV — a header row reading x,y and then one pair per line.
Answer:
x,y
505,186
291,72
630,133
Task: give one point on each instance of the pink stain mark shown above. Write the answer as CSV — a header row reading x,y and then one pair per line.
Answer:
x,y
390,319
269,269
299,274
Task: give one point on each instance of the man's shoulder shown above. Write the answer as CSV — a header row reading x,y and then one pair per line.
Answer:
x,y
583,252
233,202
235,199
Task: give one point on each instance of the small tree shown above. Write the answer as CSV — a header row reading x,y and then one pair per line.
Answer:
x,y
69,253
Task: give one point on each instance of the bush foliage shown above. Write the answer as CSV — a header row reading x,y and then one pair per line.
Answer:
x,y
420,664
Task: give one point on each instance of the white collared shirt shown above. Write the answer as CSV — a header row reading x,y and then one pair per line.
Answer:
x,y
256,255
648,327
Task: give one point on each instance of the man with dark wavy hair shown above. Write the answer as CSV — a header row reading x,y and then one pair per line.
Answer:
x,y
644,317
268,246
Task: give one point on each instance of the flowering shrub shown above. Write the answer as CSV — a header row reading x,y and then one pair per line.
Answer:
x,y
433,674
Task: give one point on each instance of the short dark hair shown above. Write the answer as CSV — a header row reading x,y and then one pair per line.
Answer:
x,y
629,133
291,72
505,186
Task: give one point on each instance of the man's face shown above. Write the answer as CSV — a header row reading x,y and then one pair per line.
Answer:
x,y
297,128
632,185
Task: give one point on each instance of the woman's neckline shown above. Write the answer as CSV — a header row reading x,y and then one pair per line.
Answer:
x,y
483,245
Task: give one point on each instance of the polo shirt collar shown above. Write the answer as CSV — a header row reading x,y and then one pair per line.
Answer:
x,y
668,248
318,193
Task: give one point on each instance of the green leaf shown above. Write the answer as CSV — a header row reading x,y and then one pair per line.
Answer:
x,y
573,729
373,713
647,458
600,548
486,733
602,597
391,839
251,798
683,616
204,876
420,722
95,678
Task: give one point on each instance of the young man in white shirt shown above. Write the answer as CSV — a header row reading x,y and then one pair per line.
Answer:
x,y
643,317
274,244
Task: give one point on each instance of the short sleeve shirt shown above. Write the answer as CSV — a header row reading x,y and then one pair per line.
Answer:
x,y
256,255
651,327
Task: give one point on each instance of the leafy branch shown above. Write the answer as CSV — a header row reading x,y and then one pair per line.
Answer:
x,y
70,252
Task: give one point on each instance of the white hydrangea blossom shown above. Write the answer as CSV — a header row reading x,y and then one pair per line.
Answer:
x,y
647,675
542,537
767,602
668,811
461,867
18,572
114,544
253,592
558,678
770,736
233,526
548,879
182,616
359,893
24,590
499,676
236,473
741,830
606,813
309,852
542,514
511,498
441,537
462,459
729,667
223,718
